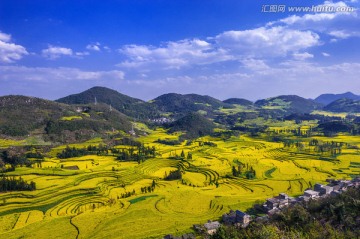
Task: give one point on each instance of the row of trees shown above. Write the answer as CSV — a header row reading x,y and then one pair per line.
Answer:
x,y
15,184
136,153
139,153
149,189
331,147
146,189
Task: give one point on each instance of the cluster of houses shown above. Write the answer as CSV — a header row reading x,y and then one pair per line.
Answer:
x,y
334,187
274,205
162,120
237,218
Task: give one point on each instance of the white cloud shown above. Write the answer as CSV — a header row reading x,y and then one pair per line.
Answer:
x,y
270,42
302,56
5,37
337,23
227,46
325,54
94,47
322,13
342,34
173,55
339,34
81,54
56,74
10,52
54,52
254,64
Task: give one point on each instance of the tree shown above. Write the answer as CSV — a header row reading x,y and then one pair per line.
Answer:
x,y
182,155
189,156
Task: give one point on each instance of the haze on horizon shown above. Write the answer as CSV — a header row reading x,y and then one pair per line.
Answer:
x,y
144,49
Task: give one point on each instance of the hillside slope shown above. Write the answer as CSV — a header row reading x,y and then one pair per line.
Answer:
x,y
195,125
289,104
344,105
238,101
127,105
328,98
22,115
182,104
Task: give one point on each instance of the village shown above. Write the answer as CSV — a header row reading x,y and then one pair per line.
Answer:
x,y
272,206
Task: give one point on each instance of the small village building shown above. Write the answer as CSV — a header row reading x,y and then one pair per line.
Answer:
x,y
242,218
211,227
335,193
272,203
311,193
303,198
335,187
322,189
283,196
236,217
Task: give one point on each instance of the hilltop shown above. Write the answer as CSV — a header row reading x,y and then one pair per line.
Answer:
x,y
21,115
180,105
195,125
289,104
127,105
328,98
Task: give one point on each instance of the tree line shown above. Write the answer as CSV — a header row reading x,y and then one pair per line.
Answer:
x,y
137,153
15,184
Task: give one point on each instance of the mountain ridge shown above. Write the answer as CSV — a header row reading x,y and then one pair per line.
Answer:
x,y
329,98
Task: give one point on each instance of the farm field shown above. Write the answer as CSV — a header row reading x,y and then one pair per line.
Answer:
x,y
81,197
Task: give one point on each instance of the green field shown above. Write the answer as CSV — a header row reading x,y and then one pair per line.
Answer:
x,y
87,203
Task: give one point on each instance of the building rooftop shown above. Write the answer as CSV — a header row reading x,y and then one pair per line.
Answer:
x,y
212,225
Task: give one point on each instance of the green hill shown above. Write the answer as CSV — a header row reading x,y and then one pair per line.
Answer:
x,y
238,101
195,125
344,105
289,104
21,115
182,104
127,105
328,98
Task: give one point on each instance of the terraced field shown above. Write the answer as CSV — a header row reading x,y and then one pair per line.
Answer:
x,y
87,202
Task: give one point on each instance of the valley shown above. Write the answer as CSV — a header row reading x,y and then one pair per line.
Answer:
x,y
107,181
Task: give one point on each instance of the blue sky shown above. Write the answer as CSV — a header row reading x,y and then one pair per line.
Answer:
x,y
225,49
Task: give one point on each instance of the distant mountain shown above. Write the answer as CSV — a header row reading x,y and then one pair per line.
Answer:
x,y
183,104
195,125
344,105
22,115
238,101
132,107
328,98
289,104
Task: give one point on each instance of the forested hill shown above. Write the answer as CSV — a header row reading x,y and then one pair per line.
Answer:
x,y
289,104
132,107
344,105
194,125
238,101
328,98
21,115
183,104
